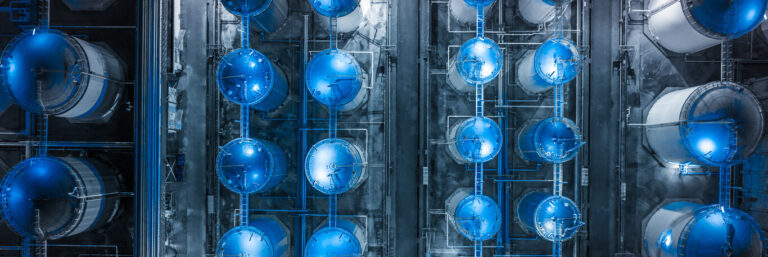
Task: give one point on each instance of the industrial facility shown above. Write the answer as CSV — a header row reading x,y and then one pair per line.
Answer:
x,y
397,128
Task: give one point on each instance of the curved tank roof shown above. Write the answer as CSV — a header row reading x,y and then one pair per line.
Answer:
x,y
334,166
557,61
41,69
479,2
245,76
334,77
245,7
711,112
717,232
249,166
478,139
557,218
729,18
479,60
334,8
246,241
42,183
478,217
554,140
51,186
554,218
333,241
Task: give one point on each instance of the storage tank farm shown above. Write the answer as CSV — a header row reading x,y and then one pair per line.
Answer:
x,y
718,124
335,165
478,139
245,165
48,73
555,140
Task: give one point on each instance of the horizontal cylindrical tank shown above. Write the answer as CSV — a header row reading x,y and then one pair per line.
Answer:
x,y
463,12
334,77
273,15
49,72
48,198
537,11
695,230
684,26
246,76
476,217
479,61
349,22
713,124
88,5
554,218
347,238
556,61
248,166
263,237
477,139
554,140
335,166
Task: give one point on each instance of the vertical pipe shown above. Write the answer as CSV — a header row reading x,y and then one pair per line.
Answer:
x,y
245,121
245,33
244,205
478,178
43,150
332,209
149,115
478,249
332,121
480,21
479,100
303,140
725,188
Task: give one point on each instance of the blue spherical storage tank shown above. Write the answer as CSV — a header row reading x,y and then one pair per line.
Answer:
x,y
695,230
554,140
479,60
557,61
245,76
49,72
554,218
476,217
477,139
345,239
335,166
248,166
716,124
51,194
334,77
334,8
246,7
263,237
480,3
